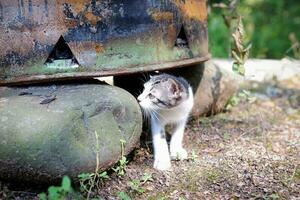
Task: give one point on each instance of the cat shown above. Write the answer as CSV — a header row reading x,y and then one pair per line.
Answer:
x,y
167,99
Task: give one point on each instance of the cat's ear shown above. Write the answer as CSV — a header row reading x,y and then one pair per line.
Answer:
x,y
173,87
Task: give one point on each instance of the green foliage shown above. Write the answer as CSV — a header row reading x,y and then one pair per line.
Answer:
x,y
123,196
89,180
274,196
60,192
146,177
135,185
268,24
121,166
193,156
236,98
219,41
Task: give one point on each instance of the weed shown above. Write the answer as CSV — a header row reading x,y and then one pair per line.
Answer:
x,y
273,196
240,51
60,192
236,99
120,169
88,181
193,157
135,186
123,196
121,166
146,177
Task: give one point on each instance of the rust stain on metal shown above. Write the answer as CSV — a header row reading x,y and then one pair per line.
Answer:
x,y
193,9
77,6
99,48
171,35
161,16
93,19
88,45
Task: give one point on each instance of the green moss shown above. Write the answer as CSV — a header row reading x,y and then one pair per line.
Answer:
x,y
131,53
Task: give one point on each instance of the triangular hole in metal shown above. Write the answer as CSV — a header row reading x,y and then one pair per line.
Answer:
x,y
61,51
182,40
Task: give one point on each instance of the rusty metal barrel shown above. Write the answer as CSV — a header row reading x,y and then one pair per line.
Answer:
x,y
74,127
98,38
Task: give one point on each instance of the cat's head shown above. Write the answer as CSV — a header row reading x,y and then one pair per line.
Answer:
x,y
162,92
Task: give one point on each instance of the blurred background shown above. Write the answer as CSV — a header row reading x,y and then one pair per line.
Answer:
x,y
272,26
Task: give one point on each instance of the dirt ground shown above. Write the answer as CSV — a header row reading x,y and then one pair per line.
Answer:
x,y
251,151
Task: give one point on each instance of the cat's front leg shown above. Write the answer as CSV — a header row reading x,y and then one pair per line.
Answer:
x,y
177,151
162,159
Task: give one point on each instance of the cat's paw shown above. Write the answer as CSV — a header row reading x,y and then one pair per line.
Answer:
x,y
162,163
179,154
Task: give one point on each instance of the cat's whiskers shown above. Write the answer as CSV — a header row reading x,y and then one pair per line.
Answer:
x,y
155,115
146,115
160,115
145,77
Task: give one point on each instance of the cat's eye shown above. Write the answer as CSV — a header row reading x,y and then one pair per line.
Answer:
x,y
151,96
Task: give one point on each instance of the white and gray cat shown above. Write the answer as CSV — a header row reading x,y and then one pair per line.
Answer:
x,y
168,100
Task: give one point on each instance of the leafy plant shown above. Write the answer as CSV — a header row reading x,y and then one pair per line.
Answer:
x,y
236,98
136,184
240,51
193,157
123,196
233,21
146,177
60,192
88,181
121,166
